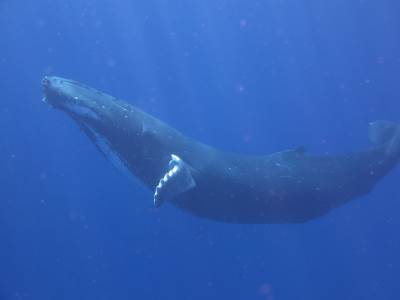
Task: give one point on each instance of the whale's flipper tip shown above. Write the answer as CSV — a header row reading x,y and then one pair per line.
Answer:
x,y
386,133
177,180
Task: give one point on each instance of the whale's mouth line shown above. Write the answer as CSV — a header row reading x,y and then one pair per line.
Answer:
x,y
81,111
73,109
70,104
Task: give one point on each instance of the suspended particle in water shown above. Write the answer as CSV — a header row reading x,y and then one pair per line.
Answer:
x,y
243,23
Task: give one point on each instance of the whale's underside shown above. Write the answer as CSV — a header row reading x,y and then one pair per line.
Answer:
x,y
284,187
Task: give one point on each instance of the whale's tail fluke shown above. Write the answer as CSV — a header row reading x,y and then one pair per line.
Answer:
x,y
387,134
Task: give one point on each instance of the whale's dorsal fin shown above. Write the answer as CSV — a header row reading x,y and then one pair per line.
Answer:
x,y
291,153
387,134
177,180
299,150
381,132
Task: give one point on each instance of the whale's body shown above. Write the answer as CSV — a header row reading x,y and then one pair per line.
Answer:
x,y
283,187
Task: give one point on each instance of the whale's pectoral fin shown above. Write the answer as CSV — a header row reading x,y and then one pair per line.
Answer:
x,y
386,133
178,179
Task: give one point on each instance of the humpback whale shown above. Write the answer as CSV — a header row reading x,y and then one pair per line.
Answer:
x,y
284,187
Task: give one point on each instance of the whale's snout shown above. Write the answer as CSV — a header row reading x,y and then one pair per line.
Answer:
x,y
70,97
45,82
53,92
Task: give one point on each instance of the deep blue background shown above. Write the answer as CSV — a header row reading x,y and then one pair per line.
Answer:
x,y
245,75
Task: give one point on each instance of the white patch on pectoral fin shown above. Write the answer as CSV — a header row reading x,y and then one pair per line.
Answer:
x,y
177,180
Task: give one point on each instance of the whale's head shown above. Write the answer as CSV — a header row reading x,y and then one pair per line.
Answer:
x,y
80,102
127,136
91,108
108,122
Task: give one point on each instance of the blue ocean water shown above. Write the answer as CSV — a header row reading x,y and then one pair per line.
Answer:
x,y
245,76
